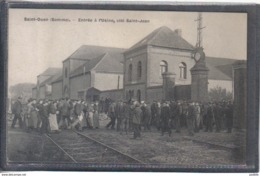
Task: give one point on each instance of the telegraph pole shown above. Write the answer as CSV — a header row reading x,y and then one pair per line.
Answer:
x,y
199,30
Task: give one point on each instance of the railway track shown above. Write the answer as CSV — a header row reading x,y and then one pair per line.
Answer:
x,y
81,148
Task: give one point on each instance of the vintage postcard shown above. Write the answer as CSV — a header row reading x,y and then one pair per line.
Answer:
x,y
127,89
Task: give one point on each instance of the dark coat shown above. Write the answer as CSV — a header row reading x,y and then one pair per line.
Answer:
x,y
165,114
77,109
146,114
210,112
191,112
137,115
119,110
65,109
44,111
52,109
17,108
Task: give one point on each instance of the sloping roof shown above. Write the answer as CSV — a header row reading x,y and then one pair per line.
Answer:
x,y
89,65
89,52
164,37
52,78
47,81
220,68
57,77
51,71
107,62
110,63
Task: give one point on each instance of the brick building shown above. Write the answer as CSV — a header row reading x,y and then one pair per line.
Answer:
x,y
165,50
93,72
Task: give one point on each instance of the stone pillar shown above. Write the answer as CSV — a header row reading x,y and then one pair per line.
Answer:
x,y
199,81
239,91
168,85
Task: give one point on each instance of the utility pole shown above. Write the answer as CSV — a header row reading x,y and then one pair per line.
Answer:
x,y
199,30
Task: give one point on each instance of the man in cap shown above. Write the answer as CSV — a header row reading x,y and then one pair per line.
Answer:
x,y
17,110
137,120
165,118
146,116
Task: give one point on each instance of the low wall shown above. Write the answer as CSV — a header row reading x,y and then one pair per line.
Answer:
x,y
154,93
117,94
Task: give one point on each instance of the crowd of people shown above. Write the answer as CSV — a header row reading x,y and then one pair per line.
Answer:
x,y
53,116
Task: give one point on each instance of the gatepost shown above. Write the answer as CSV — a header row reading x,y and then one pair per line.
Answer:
x,y
168,85
199,77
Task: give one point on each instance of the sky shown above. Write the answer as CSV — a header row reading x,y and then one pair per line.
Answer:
x,y
36,45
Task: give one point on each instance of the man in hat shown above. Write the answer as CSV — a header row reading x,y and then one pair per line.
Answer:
x,y
17,110
165,118
137,120
191,118
146,116
119,111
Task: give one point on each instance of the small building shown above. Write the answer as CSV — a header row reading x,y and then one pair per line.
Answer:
x,y
56,87
100,68
43,88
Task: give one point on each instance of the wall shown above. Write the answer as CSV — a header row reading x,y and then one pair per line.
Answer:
x,y
108,81
42,92
75,63
240,96
135,88
221,83
182,92
56,90
173,58
79,83
34,93
154,93
133,58
66,80
113,94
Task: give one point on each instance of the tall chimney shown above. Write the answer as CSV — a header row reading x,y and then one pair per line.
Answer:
x,y
178,32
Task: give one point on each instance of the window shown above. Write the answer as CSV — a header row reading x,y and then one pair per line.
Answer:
x,y
139,70
66,72
163,67
183,70
130,70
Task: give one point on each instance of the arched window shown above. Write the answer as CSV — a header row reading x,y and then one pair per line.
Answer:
x,y
66,72
139,95
130,70
183,70
139,70
163,67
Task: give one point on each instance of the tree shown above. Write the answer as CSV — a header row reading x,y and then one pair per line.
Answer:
x,y
218,94
22,89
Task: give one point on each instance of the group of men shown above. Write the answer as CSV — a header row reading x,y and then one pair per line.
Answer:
x,y
166,116
125,116
49,116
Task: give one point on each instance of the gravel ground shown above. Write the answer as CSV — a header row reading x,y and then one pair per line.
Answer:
x,y
152,148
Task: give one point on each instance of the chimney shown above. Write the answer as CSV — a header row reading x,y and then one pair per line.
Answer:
x,y
178,32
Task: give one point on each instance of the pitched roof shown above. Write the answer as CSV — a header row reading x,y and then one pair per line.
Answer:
x,y
57,77
89,65
52,78
47,81
164,37
220,68
107,62
110,63
51,71
88,52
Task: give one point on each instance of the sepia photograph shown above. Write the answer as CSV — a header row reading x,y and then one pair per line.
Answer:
x,y
154,89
